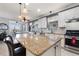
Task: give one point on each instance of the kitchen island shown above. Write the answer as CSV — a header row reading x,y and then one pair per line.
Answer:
x,y
39,45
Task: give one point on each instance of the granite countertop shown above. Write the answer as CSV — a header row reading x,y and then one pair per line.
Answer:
x,y
37,44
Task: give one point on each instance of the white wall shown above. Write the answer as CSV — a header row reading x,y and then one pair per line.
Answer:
x,y
4,20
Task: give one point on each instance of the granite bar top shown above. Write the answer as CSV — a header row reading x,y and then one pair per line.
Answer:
x,y
37,44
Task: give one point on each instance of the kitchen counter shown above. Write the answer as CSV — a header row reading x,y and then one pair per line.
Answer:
x,y
37,45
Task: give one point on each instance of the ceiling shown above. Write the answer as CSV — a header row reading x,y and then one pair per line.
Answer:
x,y
11,10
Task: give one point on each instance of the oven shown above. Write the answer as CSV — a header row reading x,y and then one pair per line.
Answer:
x,y
72,39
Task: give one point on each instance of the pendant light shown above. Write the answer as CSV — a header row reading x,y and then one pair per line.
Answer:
x,y
23,12
24,9
20,17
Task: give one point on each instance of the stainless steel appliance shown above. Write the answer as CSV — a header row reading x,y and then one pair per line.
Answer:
x,y
72,39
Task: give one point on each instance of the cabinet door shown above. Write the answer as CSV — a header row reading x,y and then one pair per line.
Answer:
x,y
61,21
76,12
53,18
67,15
42,23
72,13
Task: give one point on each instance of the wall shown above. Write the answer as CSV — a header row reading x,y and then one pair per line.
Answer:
x,y
3,20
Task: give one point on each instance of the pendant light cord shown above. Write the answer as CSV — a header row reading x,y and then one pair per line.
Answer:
x,y
24,5
20,8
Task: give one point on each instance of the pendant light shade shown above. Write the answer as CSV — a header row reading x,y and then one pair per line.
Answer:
x,y
24,9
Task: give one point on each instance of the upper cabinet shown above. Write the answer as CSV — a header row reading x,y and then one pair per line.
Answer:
x,y
73,26
70,14
53,18
53,23
41,23
67,15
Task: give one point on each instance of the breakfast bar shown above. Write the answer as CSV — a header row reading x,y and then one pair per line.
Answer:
x,y
37,45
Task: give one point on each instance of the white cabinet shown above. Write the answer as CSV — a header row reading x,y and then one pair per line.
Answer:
x,y
75,12
67,15
61,21
53,18
53,23
42,23
70,14
73,26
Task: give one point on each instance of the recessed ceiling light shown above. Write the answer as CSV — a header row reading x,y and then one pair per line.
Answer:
x,y
38,10
27,3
